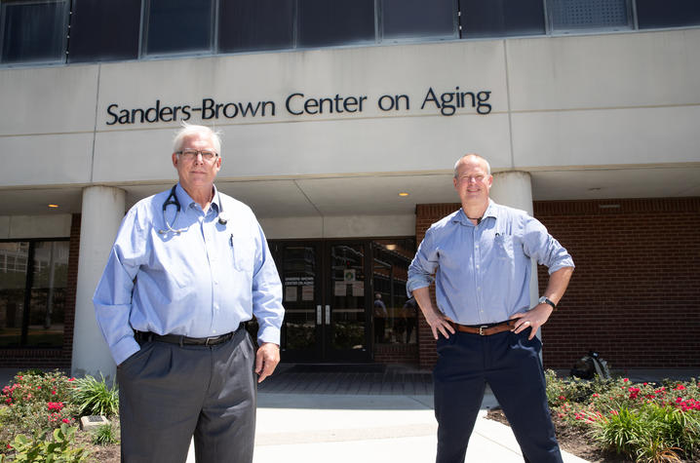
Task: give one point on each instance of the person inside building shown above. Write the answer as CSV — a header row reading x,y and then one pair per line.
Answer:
x,y
479,258
189,267
380,316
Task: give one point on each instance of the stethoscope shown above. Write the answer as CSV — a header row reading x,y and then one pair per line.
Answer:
x,y
172,200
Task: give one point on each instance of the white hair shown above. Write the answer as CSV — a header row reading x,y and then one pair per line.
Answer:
x,y
488,166
189,130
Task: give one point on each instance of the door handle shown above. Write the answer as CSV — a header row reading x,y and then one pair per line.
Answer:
x,y
319,315
328,314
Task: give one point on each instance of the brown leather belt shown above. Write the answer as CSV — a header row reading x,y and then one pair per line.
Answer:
x,y
486,330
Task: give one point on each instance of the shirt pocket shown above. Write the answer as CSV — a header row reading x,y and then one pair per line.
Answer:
x,y
503,247
243,252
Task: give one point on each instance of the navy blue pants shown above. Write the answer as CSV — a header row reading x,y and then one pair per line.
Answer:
x,y
510,364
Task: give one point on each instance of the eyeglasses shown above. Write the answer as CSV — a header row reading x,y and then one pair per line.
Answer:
x,y
190,155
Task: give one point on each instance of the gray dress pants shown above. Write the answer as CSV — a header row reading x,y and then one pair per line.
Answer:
x,y
168,393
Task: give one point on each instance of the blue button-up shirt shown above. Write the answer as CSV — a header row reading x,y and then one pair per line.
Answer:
x,y
200,283
482,272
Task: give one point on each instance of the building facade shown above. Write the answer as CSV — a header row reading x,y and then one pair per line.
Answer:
x,y
341,122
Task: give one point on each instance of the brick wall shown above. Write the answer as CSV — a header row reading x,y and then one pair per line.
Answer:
x,y
396,353
635,294
23,358
426,215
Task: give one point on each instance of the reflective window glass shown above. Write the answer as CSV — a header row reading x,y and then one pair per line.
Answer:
x,y
418,18
34,31
337,22
667,13
178,26
395,315
576,15
48,294
501,18
33,285
14,259
105,30
246,25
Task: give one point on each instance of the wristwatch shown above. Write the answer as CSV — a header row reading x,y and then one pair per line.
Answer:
x,y
545,300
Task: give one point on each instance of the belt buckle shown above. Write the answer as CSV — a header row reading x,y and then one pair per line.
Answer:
x,y
481,330
208,340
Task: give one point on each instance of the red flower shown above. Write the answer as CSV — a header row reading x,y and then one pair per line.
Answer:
x,y
680,387
66,420
55,406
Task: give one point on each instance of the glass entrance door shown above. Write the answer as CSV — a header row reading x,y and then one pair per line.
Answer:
x,y
347,329
325,298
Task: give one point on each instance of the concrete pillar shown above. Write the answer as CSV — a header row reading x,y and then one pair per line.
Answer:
x,y
102,212
514,189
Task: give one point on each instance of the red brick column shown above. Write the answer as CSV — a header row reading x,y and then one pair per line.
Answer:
x,y
426,215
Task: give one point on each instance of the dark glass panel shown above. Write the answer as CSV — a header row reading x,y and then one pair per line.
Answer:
x,y
576,15
667,13
337,22
395,315
13,279
348,281
300,297
34,31
48,294
418,18
246,25
179,26
104,30
501,18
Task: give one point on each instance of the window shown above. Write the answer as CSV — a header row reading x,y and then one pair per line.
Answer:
x,y
33,282
33,31
246,25
178,26
667,13
501,18
105,30
337,22
419,18
577,15
395,315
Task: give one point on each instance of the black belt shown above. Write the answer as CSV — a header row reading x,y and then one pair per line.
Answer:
x,y
145,336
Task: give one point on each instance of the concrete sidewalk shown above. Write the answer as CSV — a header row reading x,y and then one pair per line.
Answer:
x,y
362,428
367,429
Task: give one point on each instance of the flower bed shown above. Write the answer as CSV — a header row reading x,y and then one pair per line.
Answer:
x,y
644,422
38,417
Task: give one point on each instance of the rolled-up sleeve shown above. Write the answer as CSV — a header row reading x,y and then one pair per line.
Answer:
x,y
541,246
422,269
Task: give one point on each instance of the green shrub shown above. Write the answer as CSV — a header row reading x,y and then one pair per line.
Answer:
x,y
93,397
35,403
41,449
644,422
104,434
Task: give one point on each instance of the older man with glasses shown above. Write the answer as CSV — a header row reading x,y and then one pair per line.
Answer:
x,y
189,267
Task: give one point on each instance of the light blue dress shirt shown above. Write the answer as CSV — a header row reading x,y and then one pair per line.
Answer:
x,y
482,272
201,283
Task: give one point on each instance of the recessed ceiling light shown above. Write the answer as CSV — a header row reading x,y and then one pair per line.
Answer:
x,y
53,205
403,193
